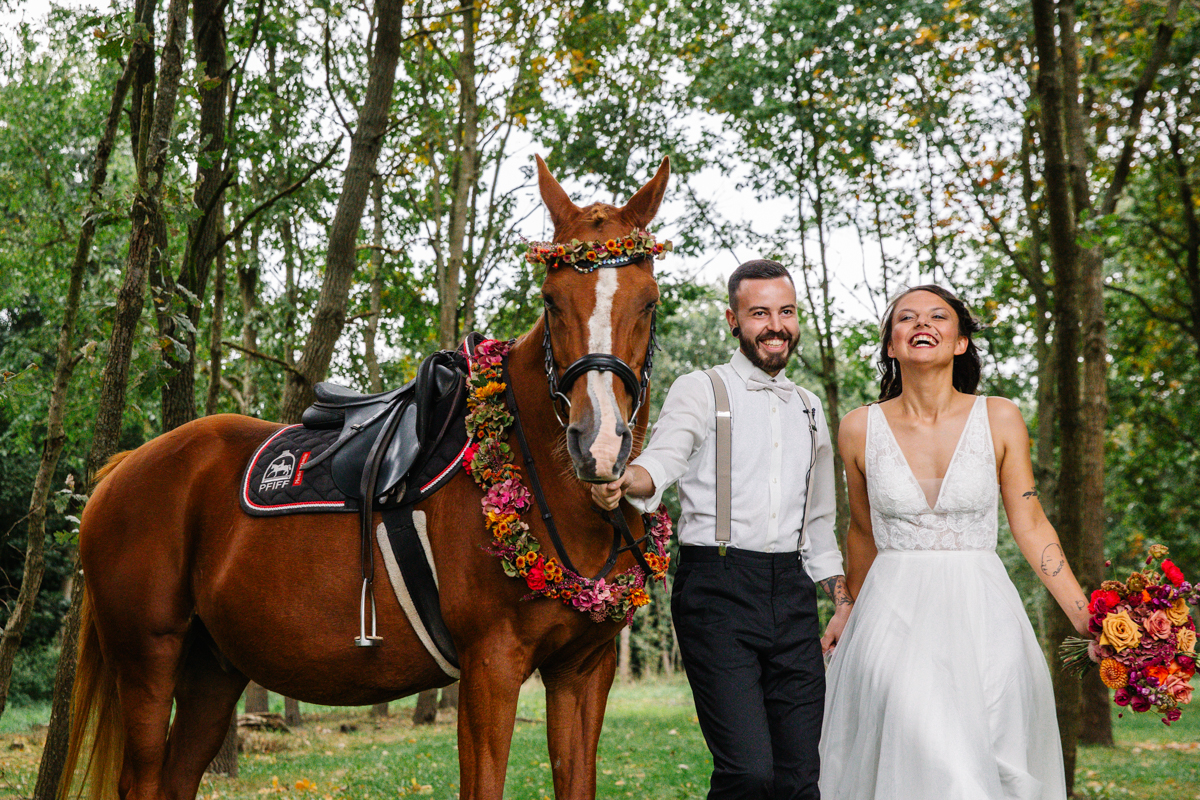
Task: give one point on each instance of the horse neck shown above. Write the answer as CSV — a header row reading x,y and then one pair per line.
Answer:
x,y
584,533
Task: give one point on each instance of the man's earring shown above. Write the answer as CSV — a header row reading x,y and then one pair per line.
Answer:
x,y
736,332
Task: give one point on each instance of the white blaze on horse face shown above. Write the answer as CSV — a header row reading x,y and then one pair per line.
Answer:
x,y
606,447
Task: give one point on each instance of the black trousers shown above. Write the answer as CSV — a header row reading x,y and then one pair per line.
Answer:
x,y
750,641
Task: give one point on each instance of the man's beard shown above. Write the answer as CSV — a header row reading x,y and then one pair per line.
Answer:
x,y
772,362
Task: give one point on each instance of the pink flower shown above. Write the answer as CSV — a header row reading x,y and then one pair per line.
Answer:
x,y
1179,688
1139,703
507,497
1157,625
490,352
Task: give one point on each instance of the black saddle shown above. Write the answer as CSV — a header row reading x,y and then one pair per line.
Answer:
x,y
388,433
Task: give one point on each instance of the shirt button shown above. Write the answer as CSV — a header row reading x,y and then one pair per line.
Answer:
x,y
777,444
774,480
773,410
772,516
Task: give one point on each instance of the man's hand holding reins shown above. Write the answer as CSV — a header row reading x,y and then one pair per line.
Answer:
x,y
636,481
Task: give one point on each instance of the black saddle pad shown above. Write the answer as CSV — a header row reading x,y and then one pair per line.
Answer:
x,y
276,482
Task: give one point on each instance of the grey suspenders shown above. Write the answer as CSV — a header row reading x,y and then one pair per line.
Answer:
x,y
724,484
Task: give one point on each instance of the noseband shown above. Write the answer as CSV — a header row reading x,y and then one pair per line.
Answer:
x,y
600,362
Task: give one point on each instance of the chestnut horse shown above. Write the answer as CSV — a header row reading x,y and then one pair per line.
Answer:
x,y
188,598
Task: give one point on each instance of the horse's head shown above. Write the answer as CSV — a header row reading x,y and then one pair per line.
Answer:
x,y
599,325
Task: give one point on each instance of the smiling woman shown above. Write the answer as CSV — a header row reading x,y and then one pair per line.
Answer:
x,y
939,686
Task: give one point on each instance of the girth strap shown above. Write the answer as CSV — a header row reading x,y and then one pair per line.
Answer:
x,y
418,578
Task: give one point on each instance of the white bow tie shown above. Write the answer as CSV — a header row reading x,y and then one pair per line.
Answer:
x,y
781,386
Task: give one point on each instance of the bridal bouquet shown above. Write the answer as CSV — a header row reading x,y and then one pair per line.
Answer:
x,y
1145,640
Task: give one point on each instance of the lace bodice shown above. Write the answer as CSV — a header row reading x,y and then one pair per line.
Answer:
x,y
964,517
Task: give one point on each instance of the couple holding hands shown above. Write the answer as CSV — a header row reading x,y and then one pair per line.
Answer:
x,y
936,686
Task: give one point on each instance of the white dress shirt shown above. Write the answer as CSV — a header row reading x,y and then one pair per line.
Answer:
x,y
771,452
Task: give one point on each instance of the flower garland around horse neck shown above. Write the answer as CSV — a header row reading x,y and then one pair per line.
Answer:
x,y
587,256
490,462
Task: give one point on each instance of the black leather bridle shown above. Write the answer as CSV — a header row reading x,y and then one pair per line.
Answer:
x,y
600,362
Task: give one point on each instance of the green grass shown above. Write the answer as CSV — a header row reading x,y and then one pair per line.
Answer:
x,y
651,747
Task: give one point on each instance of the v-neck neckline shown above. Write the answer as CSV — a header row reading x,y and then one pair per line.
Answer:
x,y
953,456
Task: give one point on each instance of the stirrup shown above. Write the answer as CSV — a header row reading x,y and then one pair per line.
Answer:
x,y
363,640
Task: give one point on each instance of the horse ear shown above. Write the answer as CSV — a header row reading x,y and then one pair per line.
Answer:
x,y
556,200
642,207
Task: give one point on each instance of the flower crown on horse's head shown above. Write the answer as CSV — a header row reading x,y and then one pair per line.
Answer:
x,y
588,256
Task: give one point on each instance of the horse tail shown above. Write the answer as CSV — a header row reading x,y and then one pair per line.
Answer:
x,y
95,714
102,473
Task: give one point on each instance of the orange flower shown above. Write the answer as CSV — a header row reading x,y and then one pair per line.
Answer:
x,y
1113,673
630,243
1159,673
489,389
639,598
612,245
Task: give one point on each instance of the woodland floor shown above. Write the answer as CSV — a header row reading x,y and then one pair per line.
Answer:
x,y
651,747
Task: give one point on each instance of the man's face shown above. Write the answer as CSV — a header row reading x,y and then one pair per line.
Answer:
x,y
766,316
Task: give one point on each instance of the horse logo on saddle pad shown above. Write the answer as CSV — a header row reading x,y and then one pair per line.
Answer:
x,y
278,473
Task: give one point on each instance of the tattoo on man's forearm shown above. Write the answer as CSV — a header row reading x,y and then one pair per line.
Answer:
x,y
1031,493
1052,560
835,587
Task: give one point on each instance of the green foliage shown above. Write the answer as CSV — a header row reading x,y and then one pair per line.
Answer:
x,y
33,676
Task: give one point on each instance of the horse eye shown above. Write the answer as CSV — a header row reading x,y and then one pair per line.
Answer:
x,y
651,306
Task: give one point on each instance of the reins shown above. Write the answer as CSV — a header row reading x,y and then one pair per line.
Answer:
x,y
614,518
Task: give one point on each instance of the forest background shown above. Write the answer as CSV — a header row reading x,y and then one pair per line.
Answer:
x,y
208,206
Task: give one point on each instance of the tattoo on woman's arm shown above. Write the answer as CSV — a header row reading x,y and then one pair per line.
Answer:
x,y
835,587
1052,560
1032,493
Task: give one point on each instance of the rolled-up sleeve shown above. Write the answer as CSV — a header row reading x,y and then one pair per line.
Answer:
x,y
679,432
822,559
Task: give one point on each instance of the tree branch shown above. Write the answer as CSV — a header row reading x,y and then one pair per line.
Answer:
x,y
1150,309
263,356
282,193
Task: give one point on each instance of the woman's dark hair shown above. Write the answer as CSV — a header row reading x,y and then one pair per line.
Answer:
x,y
967,366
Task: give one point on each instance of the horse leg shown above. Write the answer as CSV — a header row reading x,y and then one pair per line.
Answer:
x,y
576,696
146,671
487,711
206,697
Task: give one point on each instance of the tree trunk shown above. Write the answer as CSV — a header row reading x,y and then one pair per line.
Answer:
x,y
329,316
247,273
204,233
257,699
1064,261
64,365
426,710
291,712
226,761
218,329
379,710
54,752
463,181
1096,722
374,382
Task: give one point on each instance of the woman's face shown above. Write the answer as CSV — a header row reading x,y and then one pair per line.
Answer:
x,y
925,330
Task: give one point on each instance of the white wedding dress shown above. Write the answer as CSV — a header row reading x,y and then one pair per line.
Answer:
x,y
938,689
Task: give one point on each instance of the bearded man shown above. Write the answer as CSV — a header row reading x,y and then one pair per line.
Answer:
x,y
745,609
